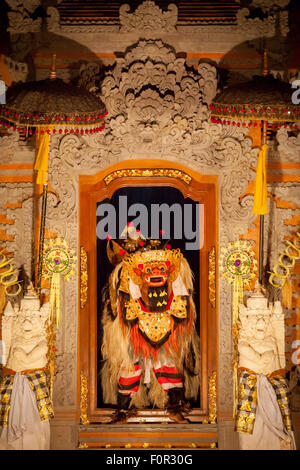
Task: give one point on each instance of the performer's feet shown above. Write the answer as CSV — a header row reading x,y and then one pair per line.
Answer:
x,y
122,416
119,417
177,405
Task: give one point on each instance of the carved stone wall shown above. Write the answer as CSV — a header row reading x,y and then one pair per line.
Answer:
x,y
103,37
158,108
148,17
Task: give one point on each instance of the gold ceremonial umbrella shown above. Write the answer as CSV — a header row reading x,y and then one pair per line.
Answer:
x,y
44,108
265,102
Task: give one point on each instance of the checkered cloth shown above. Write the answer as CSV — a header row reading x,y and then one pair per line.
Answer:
x,y
247,401
6,386
38,382
282,394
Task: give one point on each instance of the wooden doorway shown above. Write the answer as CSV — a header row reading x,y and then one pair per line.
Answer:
x,y
155,175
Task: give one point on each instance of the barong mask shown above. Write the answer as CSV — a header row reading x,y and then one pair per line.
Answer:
x,y
148,317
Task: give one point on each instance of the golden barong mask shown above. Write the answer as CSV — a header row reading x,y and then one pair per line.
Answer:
x,y
153,267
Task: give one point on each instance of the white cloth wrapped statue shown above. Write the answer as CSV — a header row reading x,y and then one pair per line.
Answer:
x,y
263,416
25,408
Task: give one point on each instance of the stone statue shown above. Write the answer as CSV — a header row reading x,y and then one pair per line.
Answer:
x,y
263,416
25,407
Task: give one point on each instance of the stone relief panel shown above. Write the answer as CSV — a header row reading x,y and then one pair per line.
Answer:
x,y
53,24
148,17
288,149
15,151
24,17
21,16
22,230
267,5
146,95
157,108
16,204
255,27
62,219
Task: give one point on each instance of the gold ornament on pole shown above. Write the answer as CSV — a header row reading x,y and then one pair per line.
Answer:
x,y
238,264
263,103
59,261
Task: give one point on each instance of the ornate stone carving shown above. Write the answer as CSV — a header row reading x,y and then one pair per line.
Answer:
x,y
157,109
153,100
22,19
284,22
212,277
255,26
20,16
18,70
24,334
83,277
53,24
148,18
147,93
88,28
288,146
266,5
8,145
12,149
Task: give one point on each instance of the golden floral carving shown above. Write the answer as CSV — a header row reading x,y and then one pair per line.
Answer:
x,y
212,398
83,445
146,172
83,277
212,277
51,357
83,399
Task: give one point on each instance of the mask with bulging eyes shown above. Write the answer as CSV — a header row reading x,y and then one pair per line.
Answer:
x,y
30,322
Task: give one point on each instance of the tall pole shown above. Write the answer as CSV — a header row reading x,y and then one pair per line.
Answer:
x,y
44,205
42,238
262,217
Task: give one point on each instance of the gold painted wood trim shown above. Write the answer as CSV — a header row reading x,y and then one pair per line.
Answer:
x,y
148,172
212,277
83,399
83,277
145,434
147,445
212,398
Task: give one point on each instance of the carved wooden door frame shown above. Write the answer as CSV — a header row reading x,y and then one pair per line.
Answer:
x,y
95,188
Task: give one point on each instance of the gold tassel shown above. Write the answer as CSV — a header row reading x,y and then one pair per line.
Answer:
x,y
287,294
41,163
260,204
238,298
55,298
